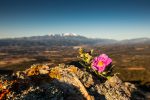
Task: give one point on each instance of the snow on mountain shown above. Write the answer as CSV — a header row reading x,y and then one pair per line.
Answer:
x,y
69,34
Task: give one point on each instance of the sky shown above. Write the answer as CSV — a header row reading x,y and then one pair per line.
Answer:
x,y
112,19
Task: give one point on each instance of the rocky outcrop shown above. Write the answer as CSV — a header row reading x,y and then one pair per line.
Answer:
x,y
64,82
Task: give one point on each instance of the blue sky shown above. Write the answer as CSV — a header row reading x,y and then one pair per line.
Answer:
x,y
113,19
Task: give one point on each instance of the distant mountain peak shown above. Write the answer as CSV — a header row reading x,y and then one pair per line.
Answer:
x,y
64,34
69,34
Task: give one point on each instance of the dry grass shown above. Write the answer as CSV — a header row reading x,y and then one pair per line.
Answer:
x,y
11,61
135,68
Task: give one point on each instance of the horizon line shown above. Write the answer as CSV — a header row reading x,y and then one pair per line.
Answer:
x,y
61,34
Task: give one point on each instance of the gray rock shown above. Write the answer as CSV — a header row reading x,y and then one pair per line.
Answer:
x,y
68,83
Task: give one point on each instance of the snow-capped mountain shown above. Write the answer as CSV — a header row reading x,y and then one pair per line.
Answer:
x,y
65,39
69,34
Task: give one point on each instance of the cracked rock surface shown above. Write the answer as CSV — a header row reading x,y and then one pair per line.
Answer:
x,y
64,82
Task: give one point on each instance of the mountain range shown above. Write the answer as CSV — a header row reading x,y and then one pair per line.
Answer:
x,y
65,40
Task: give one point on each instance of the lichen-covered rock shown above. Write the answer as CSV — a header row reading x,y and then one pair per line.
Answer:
x,y
113,89
64,82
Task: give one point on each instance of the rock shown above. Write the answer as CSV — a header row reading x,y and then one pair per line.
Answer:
x,y
66,82
113,89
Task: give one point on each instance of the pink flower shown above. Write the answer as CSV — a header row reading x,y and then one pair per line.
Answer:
x,y
101,62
